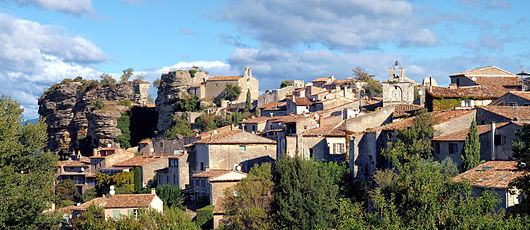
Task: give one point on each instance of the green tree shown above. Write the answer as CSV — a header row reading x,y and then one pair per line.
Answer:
x,y
123,183
93,218
137,180
248,102
304,195
231,92
284,84
89,194
471,154
373,87
171,195
127,74
27,171
65,190
124,123
171,218
521,152
248,204
156,83
107,80
204,217
189,103
181,127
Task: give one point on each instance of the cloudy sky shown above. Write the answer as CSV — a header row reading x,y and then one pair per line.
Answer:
x,y
45,41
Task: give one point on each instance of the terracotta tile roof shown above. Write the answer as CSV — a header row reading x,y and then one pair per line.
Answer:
x,y
405,110
522,94
516,113
482,71
321,79
220,175
340,81
321,92
466,91
71,163
100,201
225,78
197,86
301,101
289,118
439,117
212,173
146,141
218,130
138,161
461,135
129,201
492,174
299,90
273,105
498,85
337,129
256,120
235,137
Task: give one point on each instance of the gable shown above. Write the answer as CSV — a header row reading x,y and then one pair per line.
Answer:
x,y
485,71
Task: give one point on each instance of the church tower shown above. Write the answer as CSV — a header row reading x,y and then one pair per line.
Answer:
x,y
398,89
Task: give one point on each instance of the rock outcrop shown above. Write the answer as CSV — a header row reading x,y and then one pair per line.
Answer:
x,y
72,119
173,85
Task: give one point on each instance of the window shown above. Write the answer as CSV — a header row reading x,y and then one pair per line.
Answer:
x,y
265,147
242,148
436,148
130,212
173,162
167,180
338,148
202,165
453,148
512,104
467,103
116,214
500,139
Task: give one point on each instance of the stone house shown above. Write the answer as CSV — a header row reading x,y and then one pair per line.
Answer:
x,y
214,86
298,105
107,157
163,146
226,150
210,185
79,171
495,80
487,114
496,145
122,205
177,172
494,176
320,82
443,98
327,142
274,95
147,164
287,131
398,89
513,98
274,109
255,124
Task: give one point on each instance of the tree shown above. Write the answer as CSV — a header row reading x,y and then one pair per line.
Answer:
x,y
248,102
27,171
156,83
304,195
231,92
189,103
171,195
65,190
180,127
284,84
127,74
123,183
124,123
521,152
137,180
248,204
171,218
373,87
107,80
471,154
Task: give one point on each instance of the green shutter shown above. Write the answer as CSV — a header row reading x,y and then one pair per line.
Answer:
x,y
130,212
116,214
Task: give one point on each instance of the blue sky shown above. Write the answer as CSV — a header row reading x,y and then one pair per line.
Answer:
x,y
45,41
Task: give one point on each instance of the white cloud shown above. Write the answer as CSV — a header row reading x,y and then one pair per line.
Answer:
x,y
34,56
65,6
336,24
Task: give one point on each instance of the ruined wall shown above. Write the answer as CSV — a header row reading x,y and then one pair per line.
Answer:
x,y
72,121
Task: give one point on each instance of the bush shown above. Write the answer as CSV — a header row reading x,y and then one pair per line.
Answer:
x,y
89,194
126,103
124,123
171,195
98,104
204,217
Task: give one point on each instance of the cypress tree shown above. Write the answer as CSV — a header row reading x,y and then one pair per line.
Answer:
x,y
248,103
137,180
471,154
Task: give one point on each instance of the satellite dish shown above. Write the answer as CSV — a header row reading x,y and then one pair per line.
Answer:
x,y
420,92
78,204
109,145
174,152
215,132
474,78
112,187
238,168
82,169
235,193
152,150
112,192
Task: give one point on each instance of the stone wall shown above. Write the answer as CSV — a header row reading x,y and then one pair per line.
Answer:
x,y
218,189
148,170
225,156
274,95
370,120
454,124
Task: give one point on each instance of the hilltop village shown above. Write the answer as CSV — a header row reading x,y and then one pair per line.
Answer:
x,y
203,134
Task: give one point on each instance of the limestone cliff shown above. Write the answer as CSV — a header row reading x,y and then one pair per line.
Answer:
x,y
74,122
173,85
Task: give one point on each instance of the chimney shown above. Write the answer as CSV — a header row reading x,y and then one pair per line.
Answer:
x,y
493,141
294,100
153,191
453,86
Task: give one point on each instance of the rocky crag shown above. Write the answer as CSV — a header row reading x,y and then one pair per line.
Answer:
x,y
174,85
74,118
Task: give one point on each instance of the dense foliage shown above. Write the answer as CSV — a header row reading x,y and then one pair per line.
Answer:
x,y
204,217
171,196
26,171
521,151
127,74
181,127
123,183
248,102
373,87
284,84
124,124
189,103
231,92
137,180
471,153
207,122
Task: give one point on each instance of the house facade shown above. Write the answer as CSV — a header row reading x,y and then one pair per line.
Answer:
x,y
177,172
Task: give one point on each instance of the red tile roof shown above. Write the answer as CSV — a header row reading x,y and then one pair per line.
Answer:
x,y
522,94
482,71
492,174
138,161
516,113
256,120
130,201
273,105
303,101
438,116
466,91
289,118
225,78
405,110
498,85
337,129
213,173
461,135
146,141
322,79
235,137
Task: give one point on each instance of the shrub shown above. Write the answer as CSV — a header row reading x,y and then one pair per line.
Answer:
x,y
98,104
204,217
127,103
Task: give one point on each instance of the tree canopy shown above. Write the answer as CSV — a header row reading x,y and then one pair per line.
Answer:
x,y
471,153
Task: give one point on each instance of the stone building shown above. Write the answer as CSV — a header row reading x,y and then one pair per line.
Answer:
x,y
177,172
210,185
513,98
79,171
226,150
488,114
274,95
120,205
147,164
443,98
298,105
274,109
398,89
494,176
494,79
327,142
107,157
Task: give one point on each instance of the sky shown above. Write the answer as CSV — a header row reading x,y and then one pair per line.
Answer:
x,y
45,41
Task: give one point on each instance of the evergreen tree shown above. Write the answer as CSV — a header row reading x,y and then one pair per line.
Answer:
x,y
248,102
171,195
137,180
304,195
27,172
471,153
